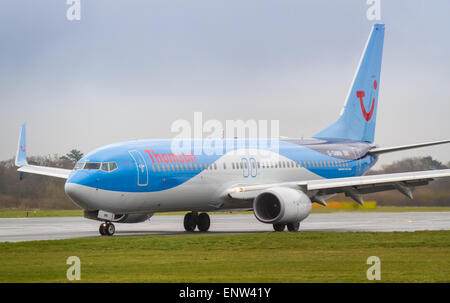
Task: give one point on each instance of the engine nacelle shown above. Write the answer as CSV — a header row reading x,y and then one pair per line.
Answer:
x,y
119,218
281,205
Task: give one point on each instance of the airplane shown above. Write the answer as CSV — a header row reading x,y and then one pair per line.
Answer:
x,y
128,182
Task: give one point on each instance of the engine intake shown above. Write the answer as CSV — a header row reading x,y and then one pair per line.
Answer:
x,y
281,205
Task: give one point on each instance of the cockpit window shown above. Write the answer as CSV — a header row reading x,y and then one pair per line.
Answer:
x,y
109,166
105,166
79,165
92,165
112,166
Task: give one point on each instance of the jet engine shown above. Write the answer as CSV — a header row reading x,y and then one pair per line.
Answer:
x,y
281,205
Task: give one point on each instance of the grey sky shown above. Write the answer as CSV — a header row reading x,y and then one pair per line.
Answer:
x,y
129,68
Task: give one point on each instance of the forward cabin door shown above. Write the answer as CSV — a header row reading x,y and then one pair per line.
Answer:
x,y
141,168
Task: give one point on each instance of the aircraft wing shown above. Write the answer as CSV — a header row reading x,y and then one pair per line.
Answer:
x,y
353,187
46,171
24,167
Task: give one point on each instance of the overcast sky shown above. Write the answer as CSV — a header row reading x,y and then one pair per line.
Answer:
x,y
129,68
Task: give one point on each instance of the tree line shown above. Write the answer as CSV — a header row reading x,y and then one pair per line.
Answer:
x,y
41,192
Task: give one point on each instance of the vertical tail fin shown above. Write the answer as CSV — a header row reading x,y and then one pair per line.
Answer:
x,y
358,117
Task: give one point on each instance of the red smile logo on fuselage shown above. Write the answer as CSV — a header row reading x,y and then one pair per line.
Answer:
x,y
361,94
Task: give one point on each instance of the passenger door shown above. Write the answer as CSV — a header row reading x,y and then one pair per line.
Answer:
x,y
141,167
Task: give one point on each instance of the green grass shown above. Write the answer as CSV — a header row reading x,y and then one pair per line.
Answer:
x,y
16,213
255,257
37,213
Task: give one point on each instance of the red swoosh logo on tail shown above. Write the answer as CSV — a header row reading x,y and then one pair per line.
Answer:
x,y
360,94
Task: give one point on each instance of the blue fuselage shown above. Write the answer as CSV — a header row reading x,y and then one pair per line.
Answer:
x,y
153,166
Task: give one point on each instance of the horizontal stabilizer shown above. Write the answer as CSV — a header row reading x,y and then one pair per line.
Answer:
x,y
384,150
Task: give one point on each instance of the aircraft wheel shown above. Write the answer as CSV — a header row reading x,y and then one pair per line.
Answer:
x,y
110,229
203,222
293,226
190,222
102,229
279,226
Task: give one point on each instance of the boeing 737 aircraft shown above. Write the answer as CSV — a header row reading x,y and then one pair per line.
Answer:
x,y
128,182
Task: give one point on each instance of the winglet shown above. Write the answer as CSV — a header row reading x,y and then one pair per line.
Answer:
x,y
21,155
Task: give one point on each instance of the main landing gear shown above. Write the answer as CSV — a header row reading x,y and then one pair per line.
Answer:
x,y
107,229
291,226
193,220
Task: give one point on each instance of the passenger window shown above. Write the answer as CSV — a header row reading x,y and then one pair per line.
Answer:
x,y
154,168
224,165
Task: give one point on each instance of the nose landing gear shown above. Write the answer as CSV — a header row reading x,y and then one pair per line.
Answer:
x,y
193,220
107,229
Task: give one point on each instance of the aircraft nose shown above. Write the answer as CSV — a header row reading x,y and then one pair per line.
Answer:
x,y
77,194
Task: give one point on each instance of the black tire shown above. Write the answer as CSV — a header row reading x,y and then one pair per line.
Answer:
x,y
279,226
190,222
110,229
102,229
203,222
293,226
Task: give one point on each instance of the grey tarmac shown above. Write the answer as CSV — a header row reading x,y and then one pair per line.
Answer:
x,y
29,229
